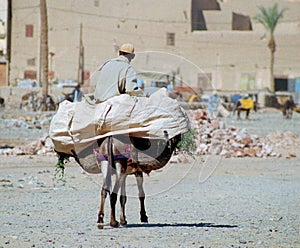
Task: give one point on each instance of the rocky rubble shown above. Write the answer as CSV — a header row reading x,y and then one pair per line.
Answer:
x,y
43,146
31,124
282,139
14,120
34,181
212,137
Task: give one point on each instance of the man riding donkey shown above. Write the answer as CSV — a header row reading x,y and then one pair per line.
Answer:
x,y
116,76
91,131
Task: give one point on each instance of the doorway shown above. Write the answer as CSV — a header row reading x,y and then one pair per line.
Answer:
x,y
281,84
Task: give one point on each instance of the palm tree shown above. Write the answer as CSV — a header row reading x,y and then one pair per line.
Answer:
x,y
269,18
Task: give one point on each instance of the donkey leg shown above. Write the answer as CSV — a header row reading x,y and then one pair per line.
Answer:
x,y
113,201
123,199
247,113
289,113
100,222
114,197
238,114
139,181
106,172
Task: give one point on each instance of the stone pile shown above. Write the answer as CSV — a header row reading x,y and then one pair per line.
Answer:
x,y
214,138
15,121
282,139
43,146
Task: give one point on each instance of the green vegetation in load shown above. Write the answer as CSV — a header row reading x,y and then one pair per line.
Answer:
x,y
187,143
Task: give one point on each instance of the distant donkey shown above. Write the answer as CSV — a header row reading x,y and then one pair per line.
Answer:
x,y
244,104
29,101
2,102
288,107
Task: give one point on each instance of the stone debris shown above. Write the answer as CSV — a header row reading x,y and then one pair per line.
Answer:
x,y
31,181
11,121
282,139
14,121
43,146
214,138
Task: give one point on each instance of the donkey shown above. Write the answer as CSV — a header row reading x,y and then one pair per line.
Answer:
x,y
122,156
115,159
287,108
29,101
239,108
2,102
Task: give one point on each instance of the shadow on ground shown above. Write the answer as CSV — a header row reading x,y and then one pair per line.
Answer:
x,y
209,225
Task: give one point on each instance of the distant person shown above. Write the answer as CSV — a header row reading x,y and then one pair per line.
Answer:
x,y
140,84
116,76
170,87
153,83
76,94
213,103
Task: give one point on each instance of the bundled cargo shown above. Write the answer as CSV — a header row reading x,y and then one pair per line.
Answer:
x,y
77,128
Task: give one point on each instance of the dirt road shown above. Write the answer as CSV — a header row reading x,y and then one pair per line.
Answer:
x,y
244,203
211,202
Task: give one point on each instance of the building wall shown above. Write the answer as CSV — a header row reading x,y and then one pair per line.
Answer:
x,y
229,58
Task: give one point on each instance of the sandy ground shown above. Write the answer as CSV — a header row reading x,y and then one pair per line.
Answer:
x,y
207,202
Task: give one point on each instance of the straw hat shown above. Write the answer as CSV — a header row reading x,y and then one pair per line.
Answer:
x,y
127,48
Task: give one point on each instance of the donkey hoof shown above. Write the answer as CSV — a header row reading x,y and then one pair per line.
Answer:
x,y
100,225
144,219
123,223
114,224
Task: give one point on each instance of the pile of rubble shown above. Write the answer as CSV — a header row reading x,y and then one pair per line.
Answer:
x,y
14,121
43,146
282,139
10,121
213,137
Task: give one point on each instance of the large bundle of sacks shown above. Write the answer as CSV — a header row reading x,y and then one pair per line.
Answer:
x,y
77,126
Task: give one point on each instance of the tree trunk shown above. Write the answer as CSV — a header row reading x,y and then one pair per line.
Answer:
x,y
8,41
81,59
44,50
272,80
272,47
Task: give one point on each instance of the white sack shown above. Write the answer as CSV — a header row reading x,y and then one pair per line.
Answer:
x,y
83,123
